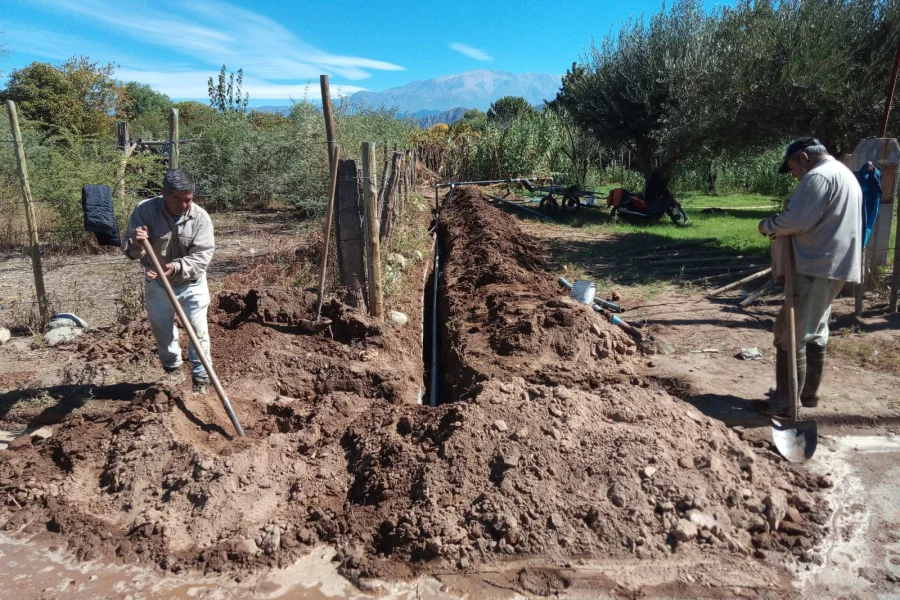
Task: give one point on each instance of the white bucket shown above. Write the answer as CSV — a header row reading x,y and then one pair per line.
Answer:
x,y
589,200
584,291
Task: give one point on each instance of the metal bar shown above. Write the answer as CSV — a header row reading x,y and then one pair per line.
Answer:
x,y
519,206
193,336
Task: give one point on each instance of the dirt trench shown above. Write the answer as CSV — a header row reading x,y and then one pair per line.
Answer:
x,y
548,444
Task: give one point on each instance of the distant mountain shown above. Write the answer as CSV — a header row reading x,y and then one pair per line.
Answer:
x,y
282,110
475,89
448,117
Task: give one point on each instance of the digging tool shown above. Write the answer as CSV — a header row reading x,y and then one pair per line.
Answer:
x,y
664,347
192,335
332,192
795,440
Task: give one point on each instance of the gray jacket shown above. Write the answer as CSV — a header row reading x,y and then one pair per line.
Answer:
x,y
824,217
194,241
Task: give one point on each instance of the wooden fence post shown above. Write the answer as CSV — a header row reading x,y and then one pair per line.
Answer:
x,y
330,135
350,238
36,267
127,149
370,204
387,201
174,154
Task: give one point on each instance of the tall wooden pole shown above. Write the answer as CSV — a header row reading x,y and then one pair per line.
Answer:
x,y
332,192
329,120
36,266
174,154
373,254
895,279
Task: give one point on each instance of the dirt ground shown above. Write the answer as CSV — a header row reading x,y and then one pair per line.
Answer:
x,y
561,460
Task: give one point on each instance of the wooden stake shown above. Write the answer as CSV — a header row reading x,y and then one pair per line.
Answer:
x,y
192,335
762,290
329,119
36,267
332,192
731,286
174,154
373,256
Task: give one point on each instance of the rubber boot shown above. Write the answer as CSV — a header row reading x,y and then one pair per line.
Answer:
x,y
815,356
778,402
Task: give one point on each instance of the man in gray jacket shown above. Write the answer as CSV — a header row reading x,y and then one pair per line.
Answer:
x,y
181,234
824,219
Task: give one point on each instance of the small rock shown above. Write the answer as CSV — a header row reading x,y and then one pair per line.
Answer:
x,y
793,515
615,496
271,541
555,433
685,463
206,465
684,531
398,317
746,493
555,521
648,472
464,562
62,335
701,519
500,425
511,460
776,507
755,506
715,463
665,507
746,461
5,335
556,412
397,260
826,481
791,528
248,546
521,434
802,500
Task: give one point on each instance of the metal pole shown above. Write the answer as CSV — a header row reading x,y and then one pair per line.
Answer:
x,y
174,154
36,266
332,192
193,336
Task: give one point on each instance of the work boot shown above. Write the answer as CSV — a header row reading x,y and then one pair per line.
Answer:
x,y
778,402
201,386
173,376
814,373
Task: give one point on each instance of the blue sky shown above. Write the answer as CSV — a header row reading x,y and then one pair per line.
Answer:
x,y
176,46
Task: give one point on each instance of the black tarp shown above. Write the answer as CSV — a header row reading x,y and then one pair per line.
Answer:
x,y
99,214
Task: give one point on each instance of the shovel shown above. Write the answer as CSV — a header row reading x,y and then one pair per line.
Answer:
x,y
193,336
795,440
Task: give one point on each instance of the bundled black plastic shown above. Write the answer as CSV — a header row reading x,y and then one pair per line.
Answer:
x,y
99,214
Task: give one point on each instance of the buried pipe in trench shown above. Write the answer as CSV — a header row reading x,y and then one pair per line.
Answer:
x,y
453,185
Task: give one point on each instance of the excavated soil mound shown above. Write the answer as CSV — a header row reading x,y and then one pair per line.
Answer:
x,y
547,444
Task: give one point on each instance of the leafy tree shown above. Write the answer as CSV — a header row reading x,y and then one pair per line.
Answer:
x,y
509,108
475,119
228,98
192,114
139,99
78,97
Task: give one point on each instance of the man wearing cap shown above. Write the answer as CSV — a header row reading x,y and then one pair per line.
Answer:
x,y
824,220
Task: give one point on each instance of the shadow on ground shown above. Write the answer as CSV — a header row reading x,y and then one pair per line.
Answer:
x,y
67,399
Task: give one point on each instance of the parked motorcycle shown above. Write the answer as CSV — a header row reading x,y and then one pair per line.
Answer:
x,y
632,206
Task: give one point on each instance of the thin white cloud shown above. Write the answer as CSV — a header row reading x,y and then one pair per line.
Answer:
x,y
193,84
470,51
207,34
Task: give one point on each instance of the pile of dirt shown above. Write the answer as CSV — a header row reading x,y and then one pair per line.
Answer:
x,y
548,443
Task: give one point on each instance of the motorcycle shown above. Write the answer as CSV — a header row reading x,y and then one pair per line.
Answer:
x,y
632,206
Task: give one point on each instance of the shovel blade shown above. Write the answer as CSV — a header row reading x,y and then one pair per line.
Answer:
x,y
795,440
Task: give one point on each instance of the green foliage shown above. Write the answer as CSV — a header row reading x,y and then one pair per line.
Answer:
x,y
689,85
228,98
194,116
78,97
139,99
509,108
